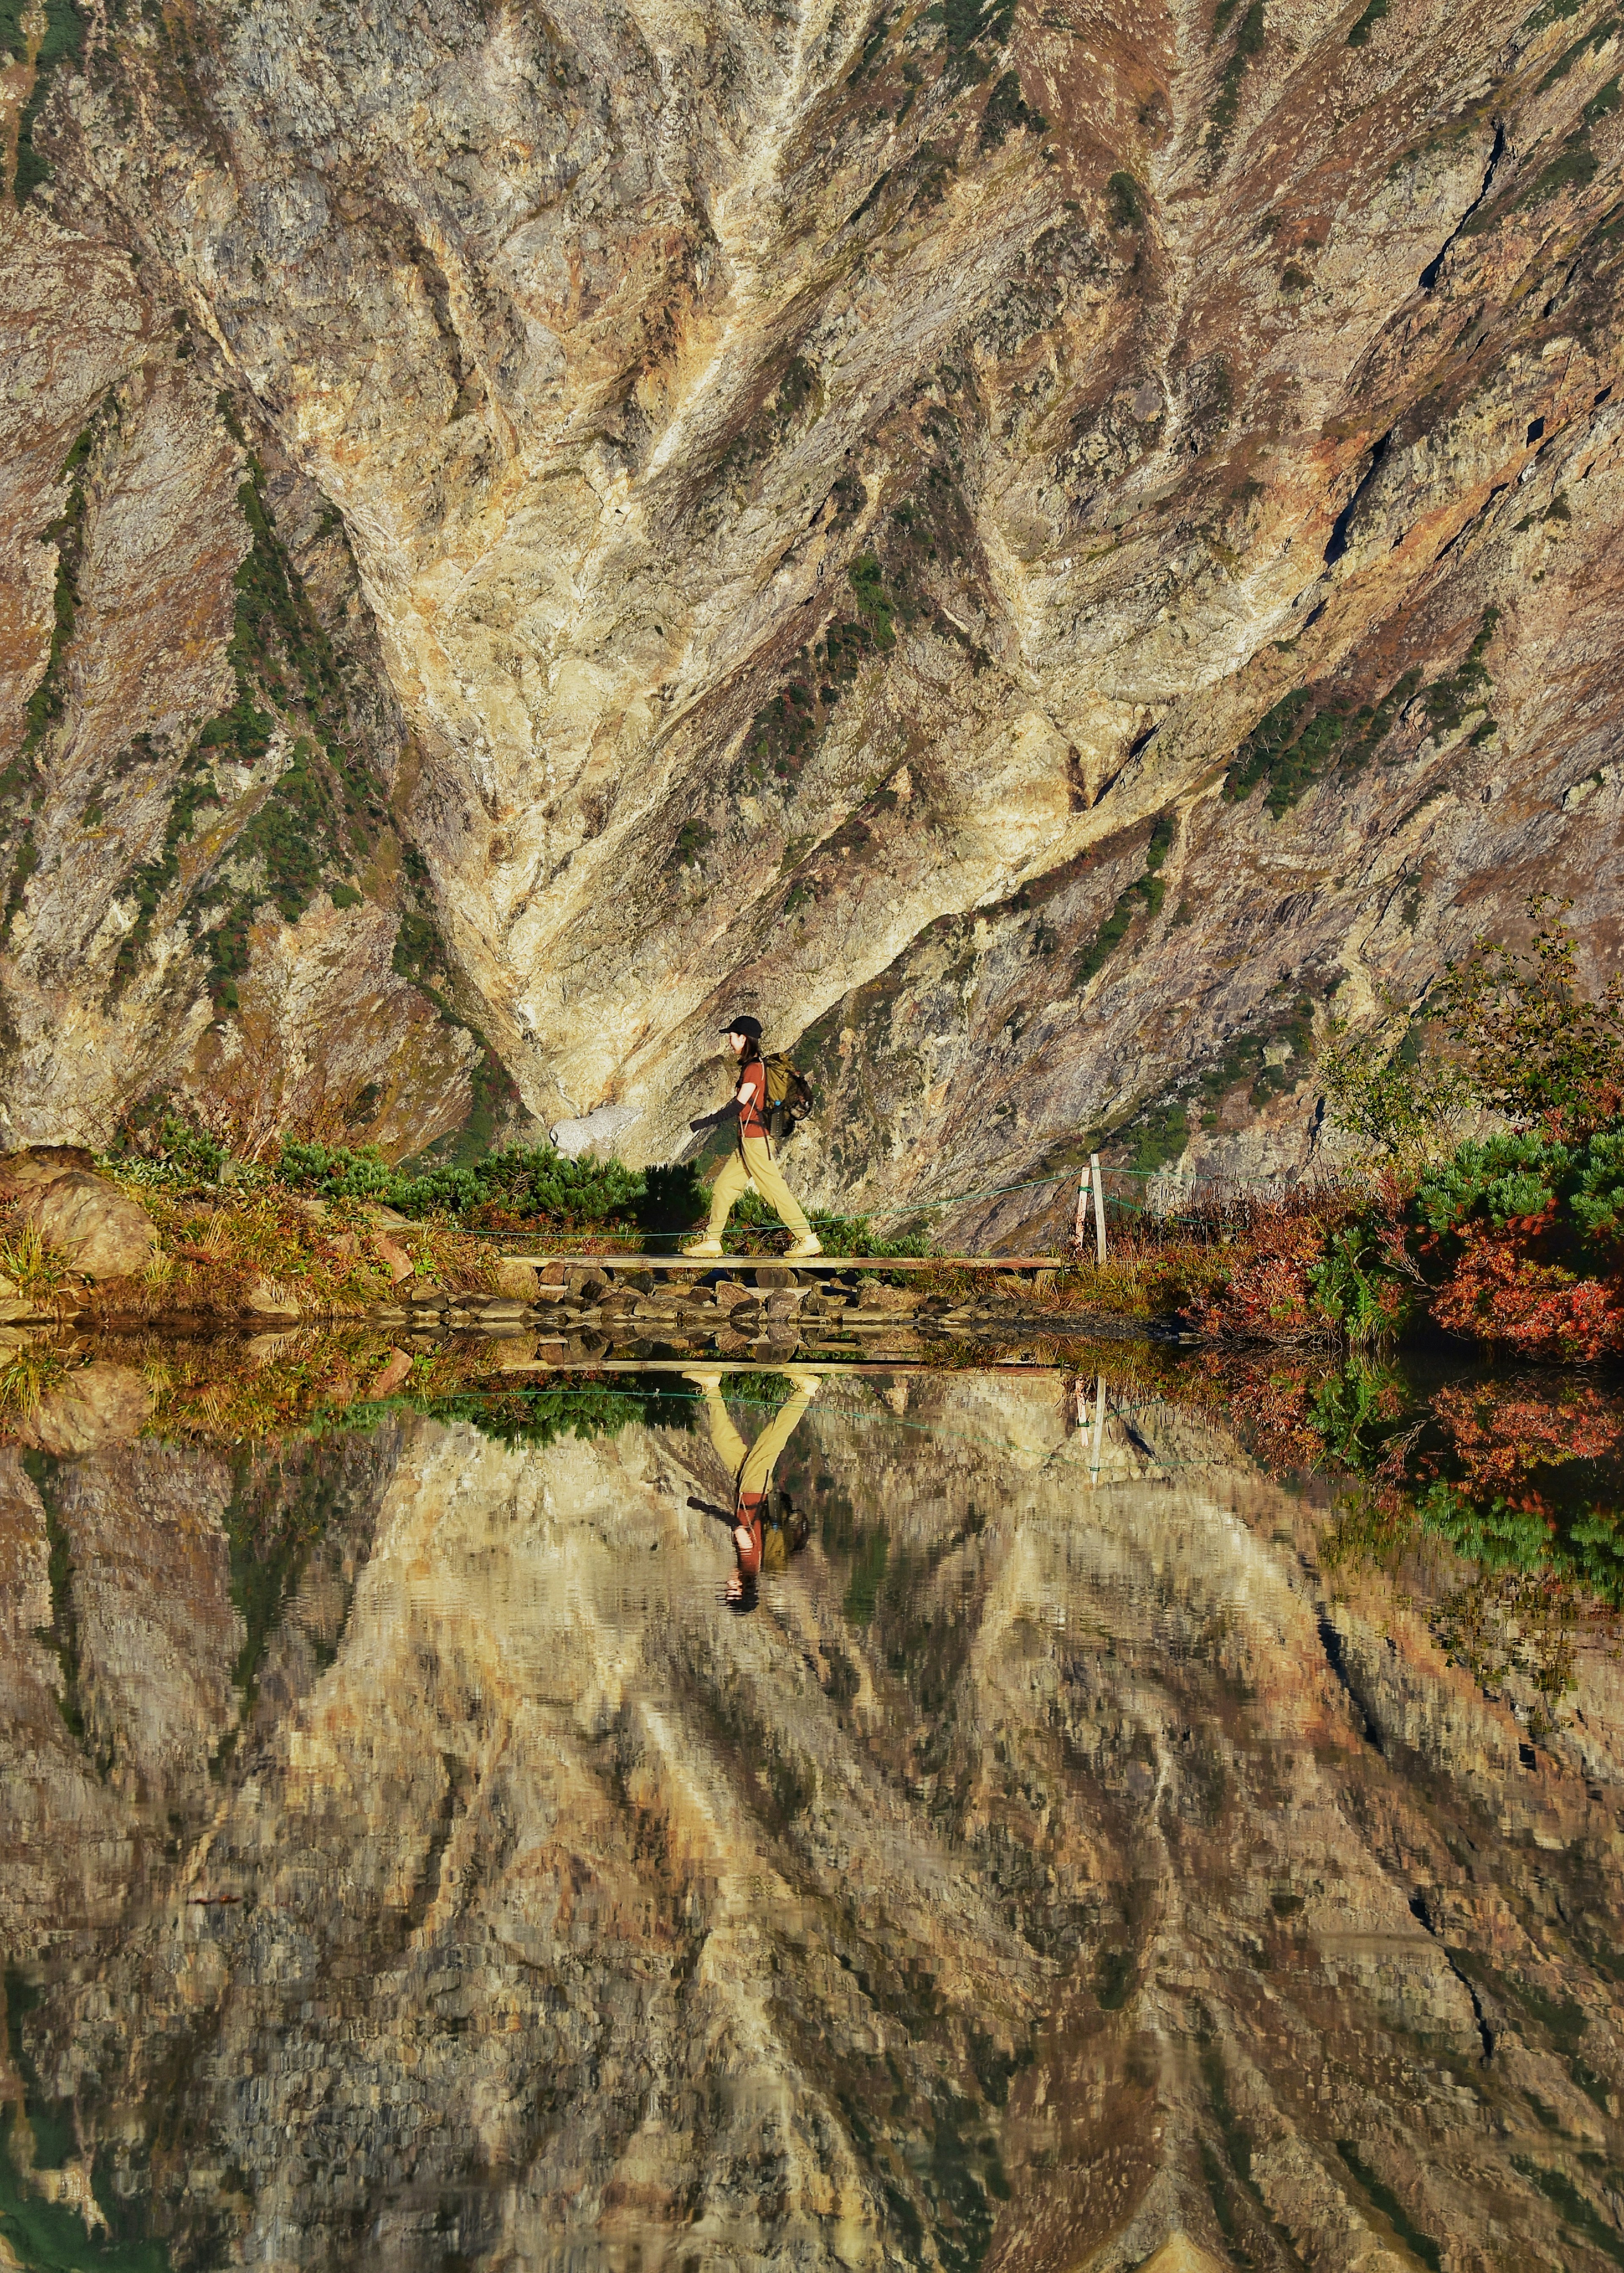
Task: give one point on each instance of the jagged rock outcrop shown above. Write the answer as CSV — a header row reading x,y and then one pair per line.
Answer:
x,y
1055,1863
1027,547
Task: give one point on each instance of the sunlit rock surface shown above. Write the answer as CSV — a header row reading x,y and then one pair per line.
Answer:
x,y
807,505
419,1864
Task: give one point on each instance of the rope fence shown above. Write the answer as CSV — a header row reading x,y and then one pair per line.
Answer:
x,y
1193,1201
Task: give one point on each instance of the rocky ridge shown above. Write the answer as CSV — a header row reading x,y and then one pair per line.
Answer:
x,y
1028,548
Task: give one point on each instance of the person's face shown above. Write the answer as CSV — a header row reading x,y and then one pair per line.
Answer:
x,y
737,1042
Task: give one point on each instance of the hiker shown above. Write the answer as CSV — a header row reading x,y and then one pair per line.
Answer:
x,y
752,1162
764,1538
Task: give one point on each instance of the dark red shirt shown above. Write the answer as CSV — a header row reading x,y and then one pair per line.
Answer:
x,y
750,1521
753,1100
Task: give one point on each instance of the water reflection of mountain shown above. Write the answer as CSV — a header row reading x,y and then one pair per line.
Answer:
x,y
410,1863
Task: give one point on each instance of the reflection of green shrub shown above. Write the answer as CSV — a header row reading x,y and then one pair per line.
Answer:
x,y
1496,1534
540,1417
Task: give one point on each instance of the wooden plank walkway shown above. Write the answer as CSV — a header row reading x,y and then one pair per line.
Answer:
x,y
835,1263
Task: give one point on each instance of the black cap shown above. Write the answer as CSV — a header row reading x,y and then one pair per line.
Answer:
x,y
750,1026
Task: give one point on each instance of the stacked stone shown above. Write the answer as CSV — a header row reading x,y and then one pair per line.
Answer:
x,y
594,1310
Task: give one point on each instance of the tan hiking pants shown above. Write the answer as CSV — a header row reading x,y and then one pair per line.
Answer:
x,y
755,1165
752,1470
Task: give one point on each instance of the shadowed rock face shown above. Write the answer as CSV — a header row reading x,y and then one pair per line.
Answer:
x,y
832,493
1048,1867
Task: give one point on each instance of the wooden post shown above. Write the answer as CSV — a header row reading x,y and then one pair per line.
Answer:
x,y
1080,1228
1099,1429
1096,1177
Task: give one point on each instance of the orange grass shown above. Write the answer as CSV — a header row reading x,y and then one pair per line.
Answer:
x,y
335,1263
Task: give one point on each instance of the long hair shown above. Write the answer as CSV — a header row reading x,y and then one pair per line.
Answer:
x,y
750,1054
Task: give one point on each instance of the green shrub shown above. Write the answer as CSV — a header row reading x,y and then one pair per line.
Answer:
x,y
1367,23
519,1182
1125,201
1524,1174
1352,1286
1507,1179
1576,165
693,839
1536,1045
1248,43
1005,109
1598,1195
1401,1104
1147,891
874,608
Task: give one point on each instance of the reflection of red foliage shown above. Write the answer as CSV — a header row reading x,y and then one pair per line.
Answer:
x,y
1497,1435
1265,1400
1498,1293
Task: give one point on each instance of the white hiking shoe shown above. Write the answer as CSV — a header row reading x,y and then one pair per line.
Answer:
x,y
810,1245
703,1247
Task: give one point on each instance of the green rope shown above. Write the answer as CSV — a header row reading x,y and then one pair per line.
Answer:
x,y
881,1414
919,1207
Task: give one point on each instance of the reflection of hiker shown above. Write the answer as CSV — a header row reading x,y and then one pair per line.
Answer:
x,y
753,1163
764,1535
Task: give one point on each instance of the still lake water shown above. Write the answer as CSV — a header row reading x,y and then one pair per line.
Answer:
x,y
1108,1839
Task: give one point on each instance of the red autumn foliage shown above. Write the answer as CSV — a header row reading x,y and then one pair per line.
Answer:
x,y
1498,1293
1266,1295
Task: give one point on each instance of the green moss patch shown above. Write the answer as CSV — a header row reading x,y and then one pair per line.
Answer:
x,y
63,40
1147,891
19,782
1006,110
1248,44
1308,731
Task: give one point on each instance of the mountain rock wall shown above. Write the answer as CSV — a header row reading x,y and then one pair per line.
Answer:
x,y
1028,547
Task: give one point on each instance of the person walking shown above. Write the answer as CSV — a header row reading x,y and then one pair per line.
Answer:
x,y
752,1162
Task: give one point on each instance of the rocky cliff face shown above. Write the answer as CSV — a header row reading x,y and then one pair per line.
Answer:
x,y
1024,546
1054,1863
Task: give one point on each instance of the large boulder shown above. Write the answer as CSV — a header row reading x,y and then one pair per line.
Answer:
x,y
40,1164
99,1405
102,1231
